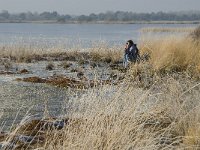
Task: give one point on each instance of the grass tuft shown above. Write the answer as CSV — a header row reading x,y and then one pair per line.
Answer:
x,y
50,66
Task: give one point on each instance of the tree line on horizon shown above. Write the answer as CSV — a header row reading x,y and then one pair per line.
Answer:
x,y
109,16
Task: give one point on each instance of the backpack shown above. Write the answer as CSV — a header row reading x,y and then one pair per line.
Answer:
x,y
137,50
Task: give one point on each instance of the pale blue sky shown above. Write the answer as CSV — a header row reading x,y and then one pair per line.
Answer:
x,y
77,7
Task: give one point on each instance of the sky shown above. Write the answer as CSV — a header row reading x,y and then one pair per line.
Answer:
x,y
78,7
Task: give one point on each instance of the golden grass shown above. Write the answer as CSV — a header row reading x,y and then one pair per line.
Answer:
x,y
124,117
172,53
101,52
167,29
192,137
22,53
106,53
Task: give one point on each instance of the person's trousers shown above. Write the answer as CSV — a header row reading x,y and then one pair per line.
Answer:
x,y
125,60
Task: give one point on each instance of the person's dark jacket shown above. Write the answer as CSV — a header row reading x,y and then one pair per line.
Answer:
x,y
132,52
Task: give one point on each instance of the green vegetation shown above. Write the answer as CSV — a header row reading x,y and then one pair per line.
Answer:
x,y
108,17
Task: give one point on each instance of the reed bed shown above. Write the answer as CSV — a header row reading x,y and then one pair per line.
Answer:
x,y
124,117
106,53
100,52
172,53
24,53
169,55
163,115
167,29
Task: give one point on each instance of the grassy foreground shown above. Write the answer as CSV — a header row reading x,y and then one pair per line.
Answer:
x,y
128,118
155,107
166,116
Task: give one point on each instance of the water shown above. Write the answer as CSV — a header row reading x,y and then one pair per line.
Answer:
x,y
70,35
17,99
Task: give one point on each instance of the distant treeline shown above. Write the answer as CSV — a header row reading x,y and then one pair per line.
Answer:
x,y
118,16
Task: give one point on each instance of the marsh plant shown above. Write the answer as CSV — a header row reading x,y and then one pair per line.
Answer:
x,y
7,64
164,29
172,54
125,117
156,106
66,64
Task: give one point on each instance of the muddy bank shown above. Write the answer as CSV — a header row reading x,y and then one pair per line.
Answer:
x,y
63,81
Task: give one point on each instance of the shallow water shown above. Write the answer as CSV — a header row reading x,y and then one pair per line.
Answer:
x,y
18,99
73,35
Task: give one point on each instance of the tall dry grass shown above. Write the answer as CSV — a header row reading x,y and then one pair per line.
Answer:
x,y
106,53
167,29
196,34
24,53
101,52
169,55
172,53
124,117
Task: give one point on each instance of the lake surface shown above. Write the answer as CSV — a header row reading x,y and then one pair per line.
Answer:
x,y
70,35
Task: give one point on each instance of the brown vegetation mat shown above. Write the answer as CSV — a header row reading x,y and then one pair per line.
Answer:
x,y
62,81
31,133
23,71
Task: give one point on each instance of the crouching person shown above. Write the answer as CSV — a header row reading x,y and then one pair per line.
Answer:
x,y
131,53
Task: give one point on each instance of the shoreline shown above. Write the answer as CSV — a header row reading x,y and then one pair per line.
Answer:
x,y
103,22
